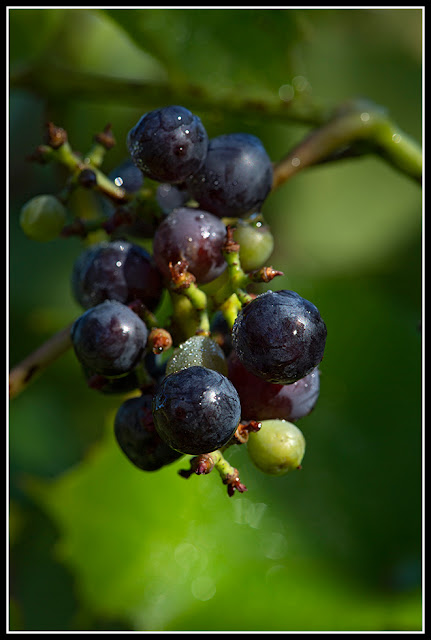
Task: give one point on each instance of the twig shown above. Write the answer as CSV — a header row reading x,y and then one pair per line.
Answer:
x,y
23,373
360,126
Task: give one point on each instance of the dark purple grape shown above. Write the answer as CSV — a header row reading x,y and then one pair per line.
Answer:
x,y
192,235
109,339
127,176
196,410
171,196
221,333
168,144
116,270
112,386
155,365
261,400
279,336
235,178
137,437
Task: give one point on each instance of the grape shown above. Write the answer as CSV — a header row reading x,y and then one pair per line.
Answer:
x,y
87,179
235,178
221,333
261,400
155,365
111,386
109,339
279,336
127,176
192,235
42,218
116,270
136,435
277,448
171,196
198,351
168,144
196,410
255,240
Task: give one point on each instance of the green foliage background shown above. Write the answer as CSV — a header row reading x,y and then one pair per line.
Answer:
x,y
94,543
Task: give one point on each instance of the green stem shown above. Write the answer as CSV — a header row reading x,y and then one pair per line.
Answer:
x,y
230,308
184,316
200,303
356,123
399,149
96,155
237,276
65,156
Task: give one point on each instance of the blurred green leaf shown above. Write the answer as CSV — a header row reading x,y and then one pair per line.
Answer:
x,y
172,554
31,32
330,229
217,48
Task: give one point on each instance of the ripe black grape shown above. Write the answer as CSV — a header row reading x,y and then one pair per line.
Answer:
x,y
235,178
196,410
127,176
192,235
116,270
136,435
109,338
262,400
168,144
112,386
279,336
171,196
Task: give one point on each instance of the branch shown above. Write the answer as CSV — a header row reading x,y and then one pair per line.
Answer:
x,y
54,82
356,128
21,375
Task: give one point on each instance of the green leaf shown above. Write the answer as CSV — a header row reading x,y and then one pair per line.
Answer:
x,y
218,48
173,554
30,34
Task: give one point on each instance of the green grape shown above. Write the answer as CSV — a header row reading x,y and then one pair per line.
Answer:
x,y
278,447
256,242
42,218
199,351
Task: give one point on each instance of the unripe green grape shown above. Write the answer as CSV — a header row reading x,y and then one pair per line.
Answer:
x,y
199,351
42,218
278,447
256,242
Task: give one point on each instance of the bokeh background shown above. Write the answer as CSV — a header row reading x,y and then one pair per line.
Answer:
x,y
95,544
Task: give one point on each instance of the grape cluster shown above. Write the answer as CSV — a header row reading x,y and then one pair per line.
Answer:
x,y
225,366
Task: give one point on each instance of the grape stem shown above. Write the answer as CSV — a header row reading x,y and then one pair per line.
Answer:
x,y
356,128
205,463
65,156
183,282
22,374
